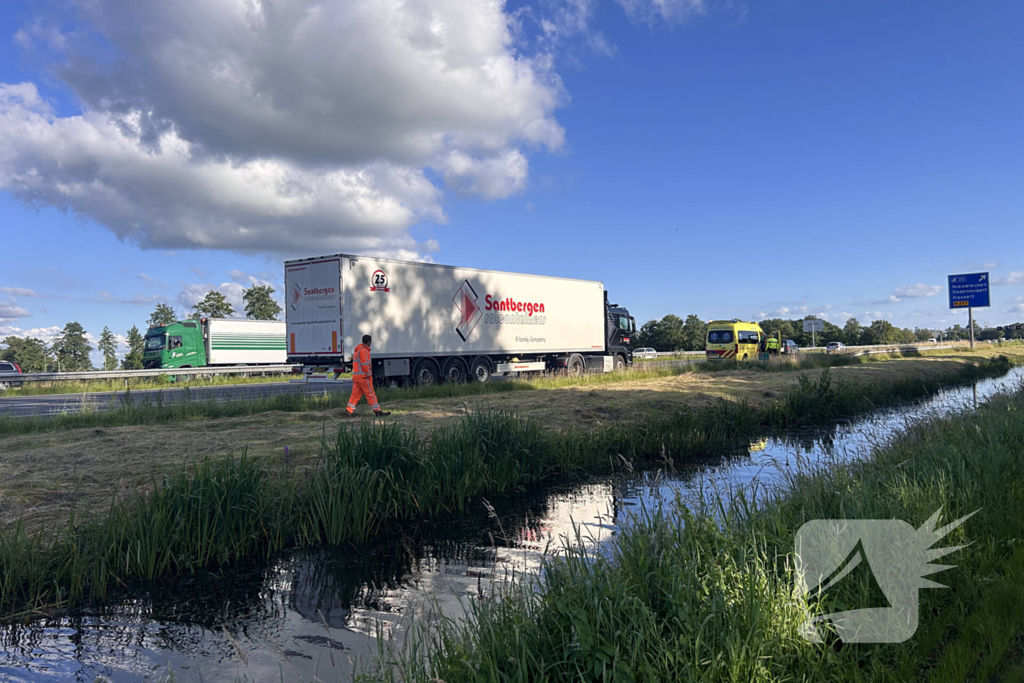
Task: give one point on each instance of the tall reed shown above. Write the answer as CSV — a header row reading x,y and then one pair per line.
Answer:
x,y
217,512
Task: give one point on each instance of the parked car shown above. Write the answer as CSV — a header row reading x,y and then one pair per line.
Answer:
x,y
7,368
932,340
835,347
645,353
789,347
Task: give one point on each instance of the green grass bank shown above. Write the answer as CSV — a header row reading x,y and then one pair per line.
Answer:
x,y
219,512
707,593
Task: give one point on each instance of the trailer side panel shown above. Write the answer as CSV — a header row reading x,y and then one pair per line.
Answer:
x,y
313,291
417,309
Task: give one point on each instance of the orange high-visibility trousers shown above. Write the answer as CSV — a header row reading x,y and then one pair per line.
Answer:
x,y
362,386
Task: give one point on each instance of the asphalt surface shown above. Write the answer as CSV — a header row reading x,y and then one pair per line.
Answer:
x,y
54,404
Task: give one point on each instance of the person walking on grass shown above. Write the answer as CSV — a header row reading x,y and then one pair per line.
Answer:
x,y
362,379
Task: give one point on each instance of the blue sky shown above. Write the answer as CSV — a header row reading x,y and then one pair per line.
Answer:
x,y
724,159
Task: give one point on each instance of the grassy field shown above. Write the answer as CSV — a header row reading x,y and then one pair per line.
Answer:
x,y
137,384
215,511
84,463
707,593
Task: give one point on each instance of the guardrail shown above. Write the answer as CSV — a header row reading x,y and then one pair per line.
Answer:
x,y
854,350
128,374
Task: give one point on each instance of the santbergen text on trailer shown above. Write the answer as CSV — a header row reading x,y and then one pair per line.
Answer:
x,y
433,323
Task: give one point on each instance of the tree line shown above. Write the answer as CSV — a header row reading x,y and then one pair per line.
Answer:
x,y
673,333
70,350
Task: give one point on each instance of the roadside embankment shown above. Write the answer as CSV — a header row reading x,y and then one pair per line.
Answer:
x,y
93,458
215,512
707,593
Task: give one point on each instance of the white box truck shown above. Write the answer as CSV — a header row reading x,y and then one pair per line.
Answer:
x,y
434,323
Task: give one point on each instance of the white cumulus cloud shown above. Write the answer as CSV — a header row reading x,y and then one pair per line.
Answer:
x,y
9,312
1016,277
265,127
916,291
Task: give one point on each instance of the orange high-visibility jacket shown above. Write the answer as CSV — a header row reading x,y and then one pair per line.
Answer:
x,y
361,361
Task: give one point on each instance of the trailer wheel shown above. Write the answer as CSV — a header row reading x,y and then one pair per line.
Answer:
x,y
455,371
480,370
425,372
620,363
576,365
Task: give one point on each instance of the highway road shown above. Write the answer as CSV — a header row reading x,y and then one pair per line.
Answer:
x,y
53,404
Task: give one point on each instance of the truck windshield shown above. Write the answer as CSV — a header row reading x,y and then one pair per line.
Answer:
x,y
720,337
154,343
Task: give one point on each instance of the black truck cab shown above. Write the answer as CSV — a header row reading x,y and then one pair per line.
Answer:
x,y
620,329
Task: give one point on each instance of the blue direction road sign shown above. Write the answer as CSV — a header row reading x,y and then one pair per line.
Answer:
x,y
969,290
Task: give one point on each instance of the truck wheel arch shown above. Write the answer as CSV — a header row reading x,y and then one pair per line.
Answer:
x,y
455,371
425,372
481,369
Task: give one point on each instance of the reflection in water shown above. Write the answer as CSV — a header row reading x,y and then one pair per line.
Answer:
x,y
308,613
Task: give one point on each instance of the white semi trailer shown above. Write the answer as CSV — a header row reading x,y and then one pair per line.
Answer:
x,y
434,323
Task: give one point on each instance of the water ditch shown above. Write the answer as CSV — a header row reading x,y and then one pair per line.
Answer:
x,y
308,614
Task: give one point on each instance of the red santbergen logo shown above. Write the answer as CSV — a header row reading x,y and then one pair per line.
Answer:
x,y
465,301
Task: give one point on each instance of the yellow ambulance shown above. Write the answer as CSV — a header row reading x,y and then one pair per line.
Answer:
x,y
733,340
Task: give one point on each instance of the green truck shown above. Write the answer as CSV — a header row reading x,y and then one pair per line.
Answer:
x,y
215,341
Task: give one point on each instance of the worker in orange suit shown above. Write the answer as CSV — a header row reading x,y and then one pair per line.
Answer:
x,y
362,379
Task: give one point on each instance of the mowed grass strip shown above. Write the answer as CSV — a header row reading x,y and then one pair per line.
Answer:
x,y
44,474
216,512
707,593
139,384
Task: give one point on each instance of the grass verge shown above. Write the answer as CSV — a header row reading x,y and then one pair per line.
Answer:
x,y
217,512
706,593
138,384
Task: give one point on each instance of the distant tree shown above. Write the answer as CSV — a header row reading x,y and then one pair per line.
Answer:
x,y
884,332
108,346
162,316
29,353
694,334
213,305
133,359
830,333
990,333
645,335
786,328
260,304
853,333
72,349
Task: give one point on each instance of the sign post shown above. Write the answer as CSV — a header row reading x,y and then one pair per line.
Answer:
x,y
970,291
813,325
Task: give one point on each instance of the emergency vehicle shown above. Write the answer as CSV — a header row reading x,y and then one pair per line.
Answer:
x,y
733,340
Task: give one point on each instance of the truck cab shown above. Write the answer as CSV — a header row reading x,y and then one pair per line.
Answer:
x,y
178,345
621,329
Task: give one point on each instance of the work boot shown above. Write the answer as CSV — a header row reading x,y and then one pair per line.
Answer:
x,y
383,413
